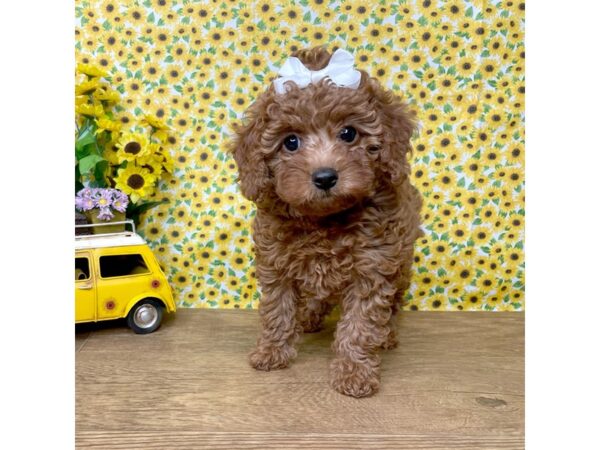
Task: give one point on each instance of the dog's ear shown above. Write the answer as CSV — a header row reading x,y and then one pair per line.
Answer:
x,y
399,123
246,150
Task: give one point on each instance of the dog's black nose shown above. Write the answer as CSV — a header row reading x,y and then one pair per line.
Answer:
x,y
324,178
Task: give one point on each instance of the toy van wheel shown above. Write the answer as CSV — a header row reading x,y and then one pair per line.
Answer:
x,y
145,317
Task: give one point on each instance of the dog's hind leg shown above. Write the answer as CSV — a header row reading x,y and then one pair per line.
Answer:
x,y
402,285
310,314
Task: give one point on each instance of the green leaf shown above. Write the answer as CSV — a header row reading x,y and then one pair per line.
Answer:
x,y
87,164
86,137
78,183
469,12
100,173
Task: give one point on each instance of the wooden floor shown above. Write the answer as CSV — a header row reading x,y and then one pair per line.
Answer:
x,y
455,382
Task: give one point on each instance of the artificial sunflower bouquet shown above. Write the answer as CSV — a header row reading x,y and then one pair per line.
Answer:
x,y
131,160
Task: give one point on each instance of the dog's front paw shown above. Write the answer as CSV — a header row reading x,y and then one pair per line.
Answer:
x,y
268,357
354,379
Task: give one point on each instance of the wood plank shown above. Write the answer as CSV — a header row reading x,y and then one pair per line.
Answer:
x,y
290,441
456,378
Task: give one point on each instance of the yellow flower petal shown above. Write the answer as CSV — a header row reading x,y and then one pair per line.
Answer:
x,y
87,87
90,70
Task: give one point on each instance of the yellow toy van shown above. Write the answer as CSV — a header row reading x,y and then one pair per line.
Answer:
x,y
117,276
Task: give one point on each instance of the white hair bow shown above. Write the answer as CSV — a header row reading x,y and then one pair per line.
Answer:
x,y
340,71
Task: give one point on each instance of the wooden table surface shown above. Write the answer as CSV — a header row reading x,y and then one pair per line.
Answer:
x,y
455,382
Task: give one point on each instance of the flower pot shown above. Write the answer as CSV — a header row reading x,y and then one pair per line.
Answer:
x,y
92,217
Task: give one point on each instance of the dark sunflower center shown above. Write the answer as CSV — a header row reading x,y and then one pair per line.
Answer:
x,y
135,181
133,148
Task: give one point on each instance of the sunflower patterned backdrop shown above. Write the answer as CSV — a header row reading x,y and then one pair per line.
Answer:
x,y
198,64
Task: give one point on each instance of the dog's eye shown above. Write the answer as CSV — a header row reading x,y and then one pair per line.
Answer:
x,y
348,134
291,142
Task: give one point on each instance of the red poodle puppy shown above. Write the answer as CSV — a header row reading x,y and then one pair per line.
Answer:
x,y
323,154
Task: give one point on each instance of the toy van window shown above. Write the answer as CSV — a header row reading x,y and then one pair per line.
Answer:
x,y
82,269
122,265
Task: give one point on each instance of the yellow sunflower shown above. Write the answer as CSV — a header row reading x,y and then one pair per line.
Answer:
x,y
436,303
415,59
155,122
175,233
514,154
91,70
440,100
446,179
106,94
481,235
132,146
454,9
240,261
466,66
87,87
243,242
219,274
489,213
135,181
110,153
459,233
514,176
153,161
90,109
445,141
471,301
104,123
489,67
174,73
486,283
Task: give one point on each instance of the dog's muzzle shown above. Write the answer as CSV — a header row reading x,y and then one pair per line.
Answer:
x,y
325,178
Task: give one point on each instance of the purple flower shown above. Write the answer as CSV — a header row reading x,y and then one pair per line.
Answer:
x,y
105,214
120,201
103,199
85,192
84,203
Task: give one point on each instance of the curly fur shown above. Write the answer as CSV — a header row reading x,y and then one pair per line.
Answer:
x,y
351,245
